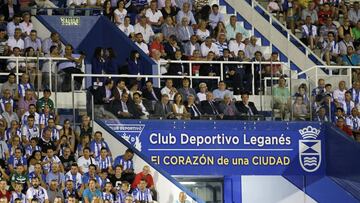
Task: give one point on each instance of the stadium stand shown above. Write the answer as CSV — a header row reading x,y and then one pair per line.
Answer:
x,y
44,158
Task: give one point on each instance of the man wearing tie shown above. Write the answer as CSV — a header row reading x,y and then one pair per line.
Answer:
x,y
151,93
245,106
194,110
209,106
163,107
122,108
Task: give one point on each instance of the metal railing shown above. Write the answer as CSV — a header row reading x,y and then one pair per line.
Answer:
x,y
146,77
284,66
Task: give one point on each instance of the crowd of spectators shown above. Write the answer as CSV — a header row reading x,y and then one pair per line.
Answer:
x,y
44,159
331,26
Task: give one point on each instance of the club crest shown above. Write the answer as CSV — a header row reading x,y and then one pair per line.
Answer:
x,y
309,149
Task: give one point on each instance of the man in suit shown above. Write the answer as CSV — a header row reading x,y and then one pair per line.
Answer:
x,y
194,109
151,93
178,68
163,108
228,108
124,108
119,89
172,46
245,106
104,93
184,31
209,106
144,108
191,46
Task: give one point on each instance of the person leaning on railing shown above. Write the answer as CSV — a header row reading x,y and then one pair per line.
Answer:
x,y
72,66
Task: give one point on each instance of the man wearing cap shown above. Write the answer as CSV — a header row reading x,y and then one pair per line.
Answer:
x,y
45,100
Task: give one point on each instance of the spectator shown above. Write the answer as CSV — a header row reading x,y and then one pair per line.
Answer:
x,y
33,41
145,29
345,43
108,11
141,44
215,16
169,89
324,13
209,46
330,50
221,44
85,160
120,13
245,106
168,28
182,198
281,97
127,28
194,110
183,30
209,106
178,108
98,63
127,163
26,25
12,25
74,176
154,16
185,12
353,121
29,130
16,40
355,92
310,11
202,33
356,32
219,29
354,13
228,109
345,29
8,114
70,191
67,158
36,191
56,175
72,66
91,193
11,85
9,11
104,161
97,144
327,28
252,48
234,80
178,68
234,27
347,104
321,115
141,193
309,33
191,46
157,44
351,58
6,98
172,46
236,45
151,93
24,102
339,94
221,91
144,175
340,123
163,108
53,40
168,9
186,90
11,63
300,111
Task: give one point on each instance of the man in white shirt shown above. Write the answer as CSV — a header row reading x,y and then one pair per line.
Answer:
x,y
330,50
169,89
84,161
126,27
215,17
154,17
208,46
26,26
339,94
145,29
236,45
16,40
36,191
251,48
140,43
30,130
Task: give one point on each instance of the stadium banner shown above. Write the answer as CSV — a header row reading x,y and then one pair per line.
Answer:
x,y
227,147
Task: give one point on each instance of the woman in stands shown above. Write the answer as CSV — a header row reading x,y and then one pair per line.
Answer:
x,y
34,159
108,12
85,142
169,10
111,66
220,28
300,110
202,33
178,108
119,13
69,133
98,63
